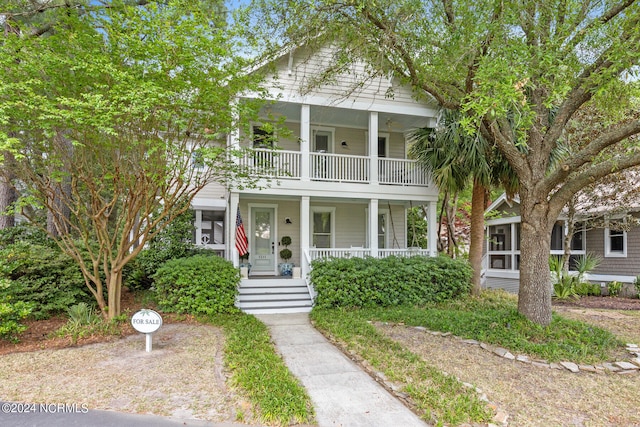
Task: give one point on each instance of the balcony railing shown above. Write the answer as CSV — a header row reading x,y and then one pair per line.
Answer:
x,y
401,172
282,164
339,167
272,163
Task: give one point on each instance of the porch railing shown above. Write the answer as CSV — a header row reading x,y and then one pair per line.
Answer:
x,y
339,167
401,172
272,163
283,164
317,253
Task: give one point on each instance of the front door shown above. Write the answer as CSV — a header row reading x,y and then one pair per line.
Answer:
x,y
263,244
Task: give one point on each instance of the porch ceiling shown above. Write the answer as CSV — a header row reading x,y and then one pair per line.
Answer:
x,y
344,117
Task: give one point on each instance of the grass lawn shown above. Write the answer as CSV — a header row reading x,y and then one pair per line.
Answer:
x,y
491,318
260,373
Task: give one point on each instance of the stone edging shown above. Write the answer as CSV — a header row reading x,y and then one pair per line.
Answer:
x,y
500,417
623,367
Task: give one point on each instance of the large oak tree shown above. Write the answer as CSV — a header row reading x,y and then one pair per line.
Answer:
x,y
518,70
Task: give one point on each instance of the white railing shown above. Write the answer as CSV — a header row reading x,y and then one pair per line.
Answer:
x,y
383,253
283,164
272,163
317,253
401,172
339,167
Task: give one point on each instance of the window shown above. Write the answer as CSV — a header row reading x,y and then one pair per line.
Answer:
x,y
209,225
557,235
578,238
323,139
322,232
382,146
382,230
615,240
197,160
263,136
500,237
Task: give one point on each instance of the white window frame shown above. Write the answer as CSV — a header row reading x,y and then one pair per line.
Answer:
x,y
512,253
198,228
608,253
332,137
320,209
387,137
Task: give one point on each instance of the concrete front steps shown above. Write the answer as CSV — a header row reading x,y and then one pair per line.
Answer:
x,y
274,296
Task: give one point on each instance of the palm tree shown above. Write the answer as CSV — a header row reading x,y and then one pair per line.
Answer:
x,y
455,158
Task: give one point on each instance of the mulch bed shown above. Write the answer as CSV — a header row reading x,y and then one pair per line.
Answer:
x,y
39,333
609,303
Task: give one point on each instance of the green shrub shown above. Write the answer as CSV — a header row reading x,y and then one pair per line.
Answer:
x,y
11,314
564,287
82,314
613,288
169,244
197,285
391,281
636,284
43,275
587,289
83,322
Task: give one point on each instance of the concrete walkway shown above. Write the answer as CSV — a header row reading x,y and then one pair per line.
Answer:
x,y
342,394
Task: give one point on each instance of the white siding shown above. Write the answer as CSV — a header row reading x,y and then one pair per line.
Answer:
x,y
213,190
307,65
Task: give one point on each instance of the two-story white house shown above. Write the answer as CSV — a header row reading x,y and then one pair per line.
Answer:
x,y
342,182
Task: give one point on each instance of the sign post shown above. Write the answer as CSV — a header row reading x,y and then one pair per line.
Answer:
x,y
147,322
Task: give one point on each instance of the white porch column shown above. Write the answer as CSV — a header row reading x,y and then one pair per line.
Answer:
x,y
305,232
234,135
305,141
198,225
432,229
373,226
232,252
373,148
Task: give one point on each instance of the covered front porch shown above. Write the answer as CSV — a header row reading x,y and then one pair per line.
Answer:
x,y
320,227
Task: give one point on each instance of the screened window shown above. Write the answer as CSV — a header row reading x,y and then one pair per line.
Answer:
x,y
557,235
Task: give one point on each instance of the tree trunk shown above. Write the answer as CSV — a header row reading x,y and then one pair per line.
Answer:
x,y
476,235
114,293
534,298
58,215
451,209
7,194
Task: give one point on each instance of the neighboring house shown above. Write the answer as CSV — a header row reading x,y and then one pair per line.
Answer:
x,y
343,182
618,249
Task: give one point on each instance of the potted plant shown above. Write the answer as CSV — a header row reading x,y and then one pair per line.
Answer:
x,y
286,268
244,262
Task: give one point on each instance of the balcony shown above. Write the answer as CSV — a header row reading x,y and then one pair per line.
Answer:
x,y
288,165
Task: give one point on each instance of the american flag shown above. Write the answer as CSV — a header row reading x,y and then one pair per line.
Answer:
x,y
242,244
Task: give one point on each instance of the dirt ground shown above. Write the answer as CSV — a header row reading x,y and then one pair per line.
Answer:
x,y
184,375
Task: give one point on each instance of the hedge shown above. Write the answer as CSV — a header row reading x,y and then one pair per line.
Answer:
x,y
392,281
197,285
